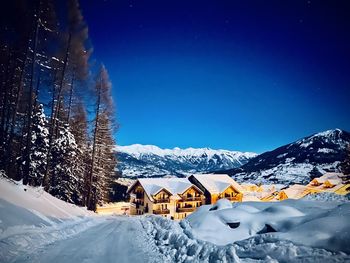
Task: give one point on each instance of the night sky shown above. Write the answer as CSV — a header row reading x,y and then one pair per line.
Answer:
x,y
238,75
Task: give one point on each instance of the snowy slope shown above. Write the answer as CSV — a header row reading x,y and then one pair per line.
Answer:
x,y
36,227
297,162
148,160
30,217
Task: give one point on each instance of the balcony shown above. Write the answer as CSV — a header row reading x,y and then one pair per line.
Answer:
x,y
139,195
165,200
161,212
192,198
185,209
137,203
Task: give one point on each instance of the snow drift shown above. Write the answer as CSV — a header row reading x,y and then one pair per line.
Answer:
x,y
288,231
30,218
310,223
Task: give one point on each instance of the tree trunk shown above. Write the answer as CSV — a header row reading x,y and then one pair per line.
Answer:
x,y
60,89
54,115
88,203
70,98
30,106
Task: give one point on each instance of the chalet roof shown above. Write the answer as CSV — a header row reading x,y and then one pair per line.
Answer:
x,y
334,181
217,183
174,186
296,191
332,178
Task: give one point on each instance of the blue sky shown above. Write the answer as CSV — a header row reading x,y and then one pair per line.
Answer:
x,y
239,75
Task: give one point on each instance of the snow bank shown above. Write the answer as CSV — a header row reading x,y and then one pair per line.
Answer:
x,y
31,218
307,223
38,200
177,244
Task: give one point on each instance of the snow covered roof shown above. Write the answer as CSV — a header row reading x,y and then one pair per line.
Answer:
x,y
217,183
333,181
333,178
296,191
174,186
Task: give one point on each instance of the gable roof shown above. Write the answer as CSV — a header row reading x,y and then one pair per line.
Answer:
x,y
331,178
174,186
217,183
296,191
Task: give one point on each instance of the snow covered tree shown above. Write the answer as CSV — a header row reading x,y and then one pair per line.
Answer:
x,y
102,161
44,64
39,146
64,184
79,128
105,161
44,18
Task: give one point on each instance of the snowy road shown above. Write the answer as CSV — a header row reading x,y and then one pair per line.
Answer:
x,y
117,239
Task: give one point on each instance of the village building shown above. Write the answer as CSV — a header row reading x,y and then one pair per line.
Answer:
x,y
344,190
248,187
174,198
117,208
329,182
295,191
217,186
253,192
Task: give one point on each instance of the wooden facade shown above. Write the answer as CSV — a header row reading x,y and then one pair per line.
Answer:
x,y
165,202
228,189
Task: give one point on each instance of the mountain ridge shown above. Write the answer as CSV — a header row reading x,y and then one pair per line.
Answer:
x,y
298,161
149,160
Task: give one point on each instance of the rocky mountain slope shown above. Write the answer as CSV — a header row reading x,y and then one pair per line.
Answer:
x,y
296,162
151,161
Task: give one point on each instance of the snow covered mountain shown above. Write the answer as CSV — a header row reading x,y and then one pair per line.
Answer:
x,y
147,160
297,162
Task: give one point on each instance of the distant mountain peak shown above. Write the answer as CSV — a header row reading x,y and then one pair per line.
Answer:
x,y
329,137
149,160
137,149
329,133
298,161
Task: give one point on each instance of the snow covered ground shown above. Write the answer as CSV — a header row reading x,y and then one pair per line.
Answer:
x,y
36,227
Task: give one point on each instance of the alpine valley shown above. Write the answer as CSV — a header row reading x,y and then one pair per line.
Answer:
x,y
296,162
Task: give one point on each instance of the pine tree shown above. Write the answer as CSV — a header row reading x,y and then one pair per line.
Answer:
x,y
102,161
79,128
64,184
39,146
105,159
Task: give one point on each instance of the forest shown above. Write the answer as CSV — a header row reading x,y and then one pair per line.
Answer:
x,y
57,116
